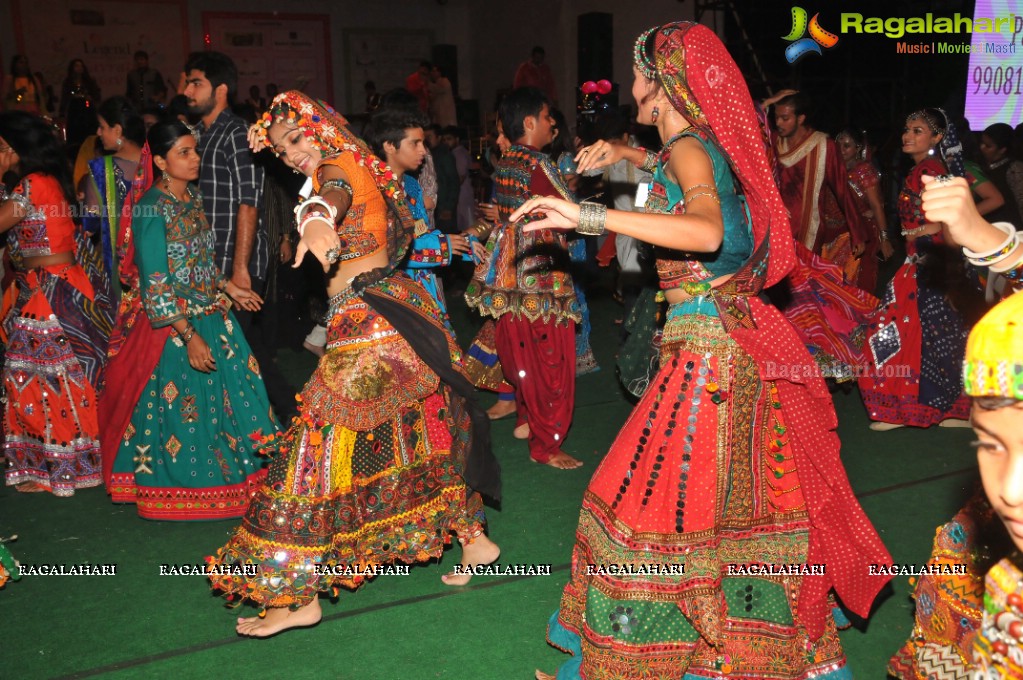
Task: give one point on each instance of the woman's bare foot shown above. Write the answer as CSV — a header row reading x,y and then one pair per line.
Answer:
x,y
540,675
280,618
30,487
954,422
501,409
563,461
521,432
878,426
315,349
480,552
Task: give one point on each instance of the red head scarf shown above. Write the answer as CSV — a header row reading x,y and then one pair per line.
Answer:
x,y
704,84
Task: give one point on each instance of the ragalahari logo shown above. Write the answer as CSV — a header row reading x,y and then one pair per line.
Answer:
x,y
802,46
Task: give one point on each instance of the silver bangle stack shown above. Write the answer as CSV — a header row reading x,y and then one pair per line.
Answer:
x,y
592,218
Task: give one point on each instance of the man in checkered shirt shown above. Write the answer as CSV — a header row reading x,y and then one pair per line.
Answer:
x,y
231,186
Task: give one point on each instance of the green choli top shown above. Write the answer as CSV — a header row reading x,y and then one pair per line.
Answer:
x,y
676,268
174,251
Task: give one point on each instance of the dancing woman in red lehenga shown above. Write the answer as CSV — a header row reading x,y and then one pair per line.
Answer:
x,y
719,474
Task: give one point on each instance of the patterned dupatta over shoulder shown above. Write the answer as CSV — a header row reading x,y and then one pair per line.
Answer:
x,y
328,131
135,346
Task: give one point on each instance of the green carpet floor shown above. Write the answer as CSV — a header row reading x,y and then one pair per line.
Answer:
x,y
139,624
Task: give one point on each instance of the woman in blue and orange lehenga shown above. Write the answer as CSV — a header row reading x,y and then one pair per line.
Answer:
x,y
388,458
718,467
56,320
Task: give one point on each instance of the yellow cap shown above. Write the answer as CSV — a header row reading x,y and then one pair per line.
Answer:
x,y
994,353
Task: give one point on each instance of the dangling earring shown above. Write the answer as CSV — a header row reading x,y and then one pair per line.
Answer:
x,y
119,142
655,114
930,151
166,179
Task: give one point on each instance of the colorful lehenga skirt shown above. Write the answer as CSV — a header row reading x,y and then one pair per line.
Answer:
x,y
368,475
915,346
190,450
57,326
699,485
829,314
482,364
840,253
950,605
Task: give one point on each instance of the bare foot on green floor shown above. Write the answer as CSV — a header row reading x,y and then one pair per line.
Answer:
x,y
501,409
521,432
280,618
480,552
540,675
563,461
30,487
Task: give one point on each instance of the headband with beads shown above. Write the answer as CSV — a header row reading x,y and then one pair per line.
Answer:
x,y
296,111
949,146
933,123
993,365
327,131
640,59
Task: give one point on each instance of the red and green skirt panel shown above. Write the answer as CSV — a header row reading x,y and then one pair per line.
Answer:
x,y
702,480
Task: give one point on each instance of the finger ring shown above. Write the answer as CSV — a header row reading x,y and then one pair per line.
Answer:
x,y
333,255
944,179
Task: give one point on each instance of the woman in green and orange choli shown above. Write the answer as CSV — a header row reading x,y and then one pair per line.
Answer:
x,y
386,459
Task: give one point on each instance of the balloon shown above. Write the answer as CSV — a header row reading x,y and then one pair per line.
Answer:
x,y
589,87
603,86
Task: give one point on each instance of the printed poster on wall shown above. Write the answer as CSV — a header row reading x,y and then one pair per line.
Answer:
x,y
105,34
291,51
996,67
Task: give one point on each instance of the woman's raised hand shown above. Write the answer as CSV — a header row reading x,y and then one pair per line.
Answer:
x,y
547,212
320,239
949,200
600,154
256,138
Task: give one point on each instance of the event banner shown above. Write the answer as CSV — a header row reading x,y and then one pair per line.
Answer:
x,y
105,34
291,51
996,67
